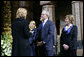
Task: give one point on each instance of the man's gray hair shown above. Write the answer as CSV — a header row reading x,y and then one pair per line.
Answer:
x,y
46,12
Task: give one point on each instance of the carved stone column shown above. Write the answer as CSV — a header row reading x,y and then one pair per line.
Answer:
x,y
6,18
77,11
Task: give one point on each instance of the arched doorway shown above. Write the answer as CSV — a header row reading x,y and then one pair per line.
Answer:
x,y
33,8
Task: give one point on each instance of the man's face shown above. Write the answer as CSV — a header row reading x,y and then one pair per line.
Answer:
x,y
43,15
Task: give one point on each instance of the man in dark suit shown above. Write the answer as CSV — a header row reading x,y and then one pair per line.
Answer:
x,y
20,33
47,33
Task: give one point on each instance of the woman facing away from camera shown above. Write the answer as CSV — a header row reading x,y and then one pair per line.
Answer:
x,y
21,34
68,39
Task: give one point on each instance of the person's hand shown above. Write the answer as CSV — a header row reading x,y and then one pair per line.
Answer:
x,y
41,19
39,43
32,32
53,46
66,47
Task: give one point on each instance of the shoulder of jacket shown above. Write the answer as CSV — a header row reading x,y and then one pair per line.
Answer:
x,y
74,26
51,22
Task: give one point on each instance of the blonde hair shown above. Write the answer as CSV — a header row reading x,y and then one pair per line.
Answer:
x,y
21,13
32,22
70,17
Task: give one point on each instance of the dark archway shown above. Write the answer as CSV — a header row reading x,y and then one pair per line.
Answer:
x,y
33,7
37,8
62,8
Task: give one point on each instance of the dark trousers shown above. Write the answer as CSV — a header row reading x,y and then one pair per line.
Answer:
x,y
40,51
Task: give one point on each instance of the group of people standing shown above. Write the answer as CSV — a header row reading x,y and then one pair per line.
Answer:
x,y
29,40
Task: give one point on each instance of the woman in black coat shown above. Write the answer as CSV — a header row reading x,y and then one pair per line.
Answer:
x,y
20,33
68,39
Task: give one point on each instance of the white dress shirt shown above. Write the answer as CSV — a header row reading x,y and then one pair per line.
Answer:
x,y
45,21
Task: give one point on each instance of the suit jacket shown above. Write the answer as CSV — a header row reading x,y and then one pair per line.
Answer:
x,y
47,34
55,35
69,39
20,33
33,37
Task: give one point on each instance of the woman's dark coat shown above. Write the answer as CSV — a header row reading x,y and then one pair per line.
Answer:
x,y
70,39
20,33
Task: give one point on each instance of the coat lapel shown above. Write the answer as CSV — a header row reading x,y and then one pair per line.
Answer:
x,y
45,24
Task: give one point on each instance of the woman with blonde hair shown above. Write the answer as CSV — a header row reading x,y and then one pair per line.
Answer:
x,y
32,25
33,37
21,34
68,39
21,13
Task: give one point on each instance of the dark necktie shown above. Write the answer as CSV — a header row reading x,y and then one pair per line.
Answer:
x,y
42,25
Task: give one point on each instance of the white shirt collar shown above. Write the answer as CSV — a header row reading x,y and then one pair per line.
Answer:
x,y
70,25
67,27
45,21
